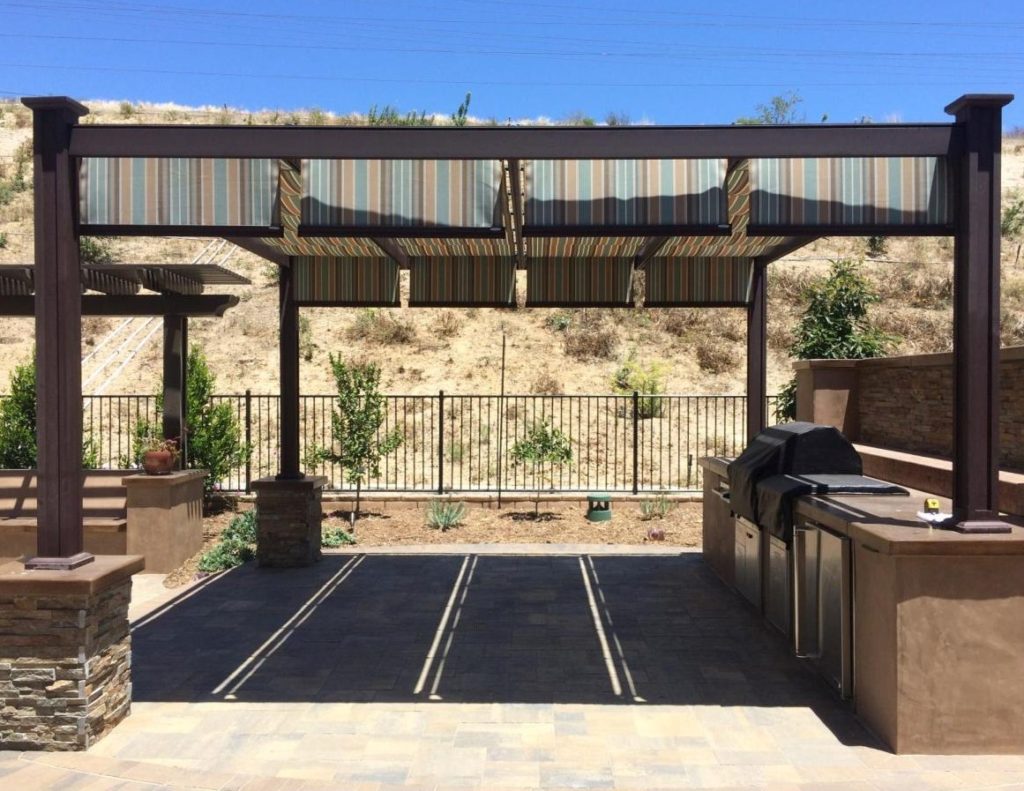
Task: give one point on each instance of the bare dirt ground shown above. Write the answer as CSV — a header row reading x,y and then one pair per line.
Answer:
x,y
558,523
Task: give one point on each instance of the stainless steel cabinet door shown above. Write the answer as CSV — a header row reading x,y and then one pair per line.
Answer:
x,y
835,624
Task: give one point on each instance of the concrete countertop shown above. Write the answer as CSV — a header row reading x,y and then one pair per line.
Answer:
x,y
719,465
889,524
90,579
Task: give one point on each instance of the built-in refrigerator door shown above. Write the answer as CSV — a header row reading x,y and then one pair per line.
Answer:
x,y
835,604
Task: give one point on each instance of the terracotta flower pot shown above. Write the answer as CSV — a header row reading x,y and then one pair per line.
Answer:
x,y
158,462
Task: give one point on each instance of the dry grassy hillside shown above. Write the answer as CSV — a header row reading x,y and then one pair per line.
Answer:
x,y
424,350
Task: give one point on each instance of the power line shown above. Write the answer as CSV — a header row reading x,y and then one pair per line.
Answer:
x,y
347,78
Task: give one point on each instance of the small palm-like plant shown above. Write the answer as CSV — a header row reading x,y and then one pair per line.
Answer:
x,y
444,514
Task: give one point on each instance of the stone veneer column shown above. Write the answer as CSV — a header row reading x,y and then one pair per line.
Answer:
x,y
289,521
65,653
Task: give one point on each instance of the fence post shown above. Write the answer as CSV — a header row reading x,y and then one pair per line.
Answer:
x,y
248,440
636,442
440,442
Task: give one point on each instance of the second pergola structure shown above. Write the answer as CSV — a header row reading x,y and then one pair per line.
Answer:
x,y
702,211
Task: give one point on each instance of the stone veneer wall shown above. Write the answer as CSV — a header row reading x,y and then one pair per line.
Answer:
x,y
65,668
907,404
289,521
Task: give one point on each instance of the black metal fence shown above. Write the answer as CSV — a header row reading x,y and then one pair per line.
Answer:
x,y
464,443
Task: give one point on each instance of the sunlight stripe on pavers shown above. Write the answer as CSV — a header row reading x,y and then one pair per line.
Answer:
x,y
615,637
469,562
253,663
613,673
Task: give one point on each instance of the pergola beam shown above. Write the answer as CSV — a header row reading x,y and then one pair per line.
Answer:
x,y
204,305
757,354
649,250
393,250
794,140
262,249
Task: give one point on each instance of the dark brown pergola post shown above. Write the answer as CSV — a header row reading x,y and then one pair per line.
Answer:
x,y
58,309
976,314
175,365
289,363
757,354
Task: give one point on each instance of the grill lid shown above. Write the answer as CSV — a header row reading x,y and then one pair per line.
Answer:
x,y
788,449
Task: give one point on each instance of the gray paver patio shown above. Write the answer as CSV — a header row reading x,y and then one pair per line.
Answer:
x,y
483,670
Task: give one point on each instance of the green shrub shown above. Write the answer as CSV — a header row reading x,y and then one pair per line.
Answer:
x,y
334,537
241,528
647,380
95,251
226,555
3,240
657,507
543,446
835,324
444,514
18,447
215,439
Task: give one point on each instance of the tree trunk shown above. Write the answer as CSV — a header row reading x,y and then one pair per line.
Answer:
x,y
359,490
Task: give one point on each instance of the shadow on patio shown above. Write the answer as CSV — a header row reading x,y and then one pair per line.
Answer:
x,y
637,630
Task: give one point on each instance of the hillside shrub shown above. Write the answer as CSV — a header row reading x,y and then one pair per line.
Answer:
x,y
377,326
447,324
835,325
647,380
1011,224
715,356
589,337
95,251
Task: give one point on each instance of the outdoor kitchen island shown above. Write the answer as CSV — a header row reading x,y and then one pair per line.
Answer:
x,y
927,623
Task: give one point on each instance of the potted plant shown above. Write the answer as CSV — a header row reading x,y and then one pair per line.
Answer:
x,y
159,456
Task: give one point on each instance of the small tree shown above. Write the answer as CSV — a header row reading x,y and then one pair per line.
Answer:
x,y
647,380
835,325
18,445
781,109
543,446
355,425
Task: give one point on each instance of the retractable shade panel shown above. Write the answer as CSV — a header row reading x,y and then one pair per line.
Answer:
x,y
697,281
624,194
852,192
579,282
463,282
345,282
177,192
375,195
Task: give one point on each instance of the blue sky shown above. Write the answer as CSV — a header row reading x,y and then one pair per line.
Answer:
x,y
657,61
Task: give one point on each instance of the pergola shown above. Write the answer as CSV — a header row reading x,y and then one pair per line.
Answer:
x,y
701,210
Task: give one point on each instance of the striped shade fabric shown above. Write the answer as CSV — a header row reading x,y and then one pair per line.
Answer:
x,y
897,191
346,282
401,192
568,282
691,281
178,192
625,192
463,282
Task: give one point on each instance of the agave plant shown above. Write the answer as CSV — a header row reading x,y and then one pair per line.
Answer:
x,y
445,514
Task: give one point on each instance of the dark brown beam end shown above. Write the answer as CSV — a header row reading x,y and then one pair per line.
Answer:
x,y
258,247
393,250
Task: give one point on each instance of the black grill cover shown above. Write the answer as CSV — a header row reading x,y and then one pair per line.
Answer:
x,y
788,449
776,493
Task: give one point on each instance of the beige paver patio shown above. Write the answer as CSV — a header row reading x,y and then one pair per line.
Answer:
x,y
308,679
